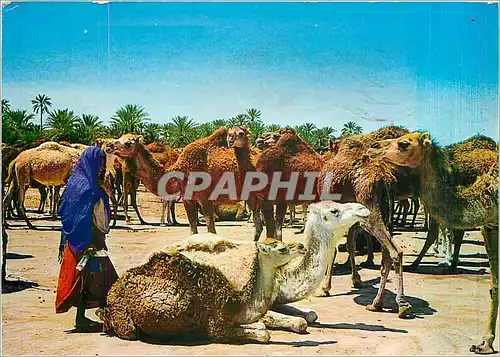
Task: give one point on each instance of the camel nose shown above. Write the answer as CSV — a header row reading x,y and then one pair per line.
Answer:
x,y
259,143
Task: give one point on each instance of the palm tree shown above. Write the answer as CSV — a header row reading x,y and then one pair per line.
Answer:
x,y
273,127
17,127
256,130
253,115
351,128
89,127
5,106
129,119
323,135
41,104
63,124
218,123
240,119
307,132
152,132
180,132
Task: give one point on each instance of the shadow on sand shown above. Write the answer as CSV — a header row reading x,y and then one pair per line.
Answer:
x,y
14,286
358,326
366,294
18,256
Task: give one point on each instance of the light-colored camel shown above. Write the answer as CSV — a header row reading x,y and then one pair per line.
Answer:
x,y
456,207
173,294
49,164
326,225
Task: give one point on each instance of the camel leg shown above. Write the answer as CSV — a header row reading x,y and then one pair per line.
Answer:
x,y
164,204
126,191
490,236
392,254
172,212
280,218
114,202
292,215
397,209
432,235
351,248
248,333
326,282
426,219
43,197
406,208
268,212
133,201
208,212
276,321
416,208
5,240
51,198
255,208
22,211
7,200
192,214
369,252
307,314
57,190
458,237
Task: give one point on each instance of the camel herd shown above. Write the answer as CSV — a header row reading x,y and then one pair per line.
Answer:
x,y
457,186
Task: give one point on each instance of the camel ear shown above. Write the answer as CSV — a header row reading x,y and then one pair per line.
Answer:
x,y
263,248
139,139
334,146
426,140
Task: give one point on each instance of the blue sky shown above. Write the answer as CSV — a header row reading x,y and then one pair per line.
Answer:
x,y
431,66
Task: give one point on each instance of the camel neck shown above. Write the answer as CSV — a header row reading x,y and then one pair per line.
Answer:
x,y
149,170
261,295
243,157
296,283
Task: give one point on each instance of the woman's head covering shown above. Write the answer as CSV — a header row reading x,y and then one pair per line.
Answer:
x,y
81,194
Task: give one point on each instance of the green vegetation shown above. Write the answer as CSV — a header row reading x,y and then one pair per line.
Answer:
x,y
19,128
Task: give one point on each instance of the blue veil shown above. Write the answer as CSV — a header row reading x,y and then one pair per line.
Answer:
x,y
81,194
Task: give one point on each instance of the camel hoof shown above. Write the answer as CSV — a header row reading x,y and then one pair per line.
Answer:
x,y
374,308
300,326
482,349
367,264
357,283
163,225
404,311
128,223
322,293
413,267
311,317
444,263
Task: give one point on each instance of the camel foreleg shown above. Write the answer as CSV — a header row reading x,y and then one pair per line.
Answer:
x,y
192,214
432,235
490,236
254,332
164,204
268,212
280,219
307,314
133,200
276,321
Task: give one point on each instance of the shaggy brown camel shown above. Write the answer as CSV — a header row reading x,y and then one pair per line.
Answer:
x,y
225,151
285,152
49,164
371,183
167,157
456,207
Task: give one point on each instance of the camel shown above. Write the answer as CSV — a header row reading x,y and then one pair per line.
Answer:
x,y
326,224
225,151
284,151
229,212
173,293
455,206
469,159
370,182
49,164
167,157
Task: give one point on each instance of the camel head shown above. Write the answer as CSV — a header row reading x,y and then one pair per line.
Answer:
x,y
333,216
237,136
271,138
125,146
278,253
407,150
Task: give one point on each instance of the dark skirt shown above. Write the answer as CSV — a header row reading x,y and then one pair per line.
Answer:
x,y
97,277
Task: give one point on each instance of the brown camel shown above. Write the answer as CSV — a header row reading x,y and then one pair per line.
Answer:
x,y
456,207
49,164
284,151
371,183
225,151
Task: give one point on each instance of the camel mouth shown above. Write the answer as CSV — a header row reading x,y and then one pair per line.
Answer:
x,y
259,143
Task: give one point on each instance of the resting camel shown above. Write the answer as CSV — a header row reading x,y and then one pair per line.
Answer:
x,y
284,151
225,151
49,164
167,157
457,207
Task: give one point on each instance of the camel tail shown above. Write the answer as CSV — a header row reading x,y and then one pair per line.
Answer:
x,y
10,172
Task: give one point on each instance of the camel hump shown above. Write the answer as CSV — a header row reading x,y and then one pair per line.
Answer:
x,y
236,261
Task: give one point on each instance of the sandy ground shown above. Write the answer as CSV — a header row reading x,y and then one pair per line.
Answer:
x,y
451,310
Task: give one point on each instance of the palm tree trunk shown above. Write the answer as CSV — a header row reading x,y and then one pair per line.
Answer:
x,y
41,120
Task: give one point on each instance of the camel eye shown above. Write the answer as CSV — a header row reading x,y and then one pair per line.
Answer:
x,y
375,146
283,250
335,211
128,144
403,145
276,137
